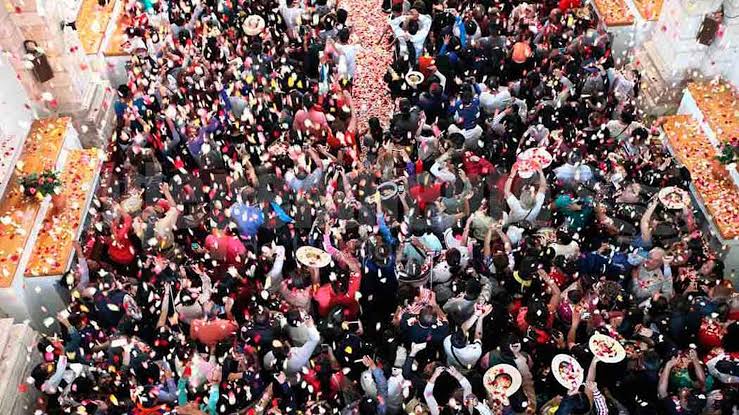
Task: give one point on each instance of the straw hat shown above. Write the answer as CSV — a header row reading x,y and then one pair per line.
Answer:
x,y
572,377
414,78
489,380
253,25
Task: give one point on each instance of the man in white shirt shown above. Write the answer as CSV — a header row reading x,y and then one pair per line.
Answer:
x,y
461,353
291,11
574,171
348,54
494,97
530,204
298,357
414,27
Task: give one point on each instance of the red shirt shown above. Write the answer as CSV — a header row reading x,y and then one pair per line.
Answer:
x,y
564,5
225,248
120,248
478,167
313,122
213,331
327,299
425,194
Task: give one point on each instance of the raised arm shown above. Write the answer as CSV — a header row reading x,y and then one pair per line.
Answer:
x,y
542,180
664,378
645,225
509,181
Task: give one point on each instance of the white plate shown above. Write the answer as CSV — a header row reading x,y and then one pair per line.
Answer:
x,y
606,348
312,257
674,197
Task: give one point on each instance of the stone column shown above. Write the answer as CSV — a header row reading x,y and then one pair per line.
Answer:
x,y
78,90
722,57
41,22
673,53
11,43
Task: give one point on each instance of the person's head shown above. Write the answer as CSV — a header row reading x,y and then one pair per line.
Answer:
x,y
414,14
248,195
453,257
713,268
457,140
470,27
435,89
262,317
537,313
367,406
404,106
574,404
730,341
528,197
341,16
493,83
293,317
467,96
628,114
459,339
308,100
472,289
654,259
412,27
426,316
124,92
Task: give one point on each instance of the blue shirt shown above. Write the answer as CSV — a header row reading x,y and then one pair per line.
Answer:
x,y
468,113
247,218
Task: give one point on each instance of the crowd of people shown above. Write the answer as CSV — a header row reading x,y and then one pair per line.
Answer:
x,y
261,245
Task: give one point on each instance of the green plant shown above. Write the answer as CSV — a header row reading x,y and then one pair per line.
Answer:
x,y
40,184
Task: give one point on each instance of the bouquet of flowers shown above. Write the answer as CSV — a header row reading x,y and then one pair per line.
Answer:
x,y
40,184
728,152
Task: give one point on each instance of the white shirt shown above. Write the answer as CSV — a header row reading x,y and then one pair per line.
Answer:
x,y
291,15
439,170
465,358
495,100
569,173
349,52
518,212
418,40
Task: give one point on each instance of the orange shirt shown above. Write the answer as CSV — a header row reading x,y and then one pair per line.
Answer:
x,y
212,331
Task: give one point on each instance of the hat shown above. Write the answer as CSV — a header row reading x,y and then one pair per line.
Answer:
x,y
606,348
495,386
414,78
253,25
567,371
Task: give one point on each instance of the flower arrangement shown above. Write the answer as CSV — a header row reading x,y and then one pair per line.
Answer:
x,y
40,184
728,153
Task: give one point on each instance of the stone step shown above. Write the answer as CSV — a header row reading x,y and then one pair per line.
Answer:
x,y
5,325
16,363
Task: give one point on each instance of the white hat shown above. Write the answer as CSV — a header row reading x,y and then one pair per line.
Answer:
x,y
253,25
490,380
567,371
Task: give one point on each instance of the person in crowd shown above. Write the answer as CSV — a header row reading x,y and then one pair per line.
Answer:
x,y
266,244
